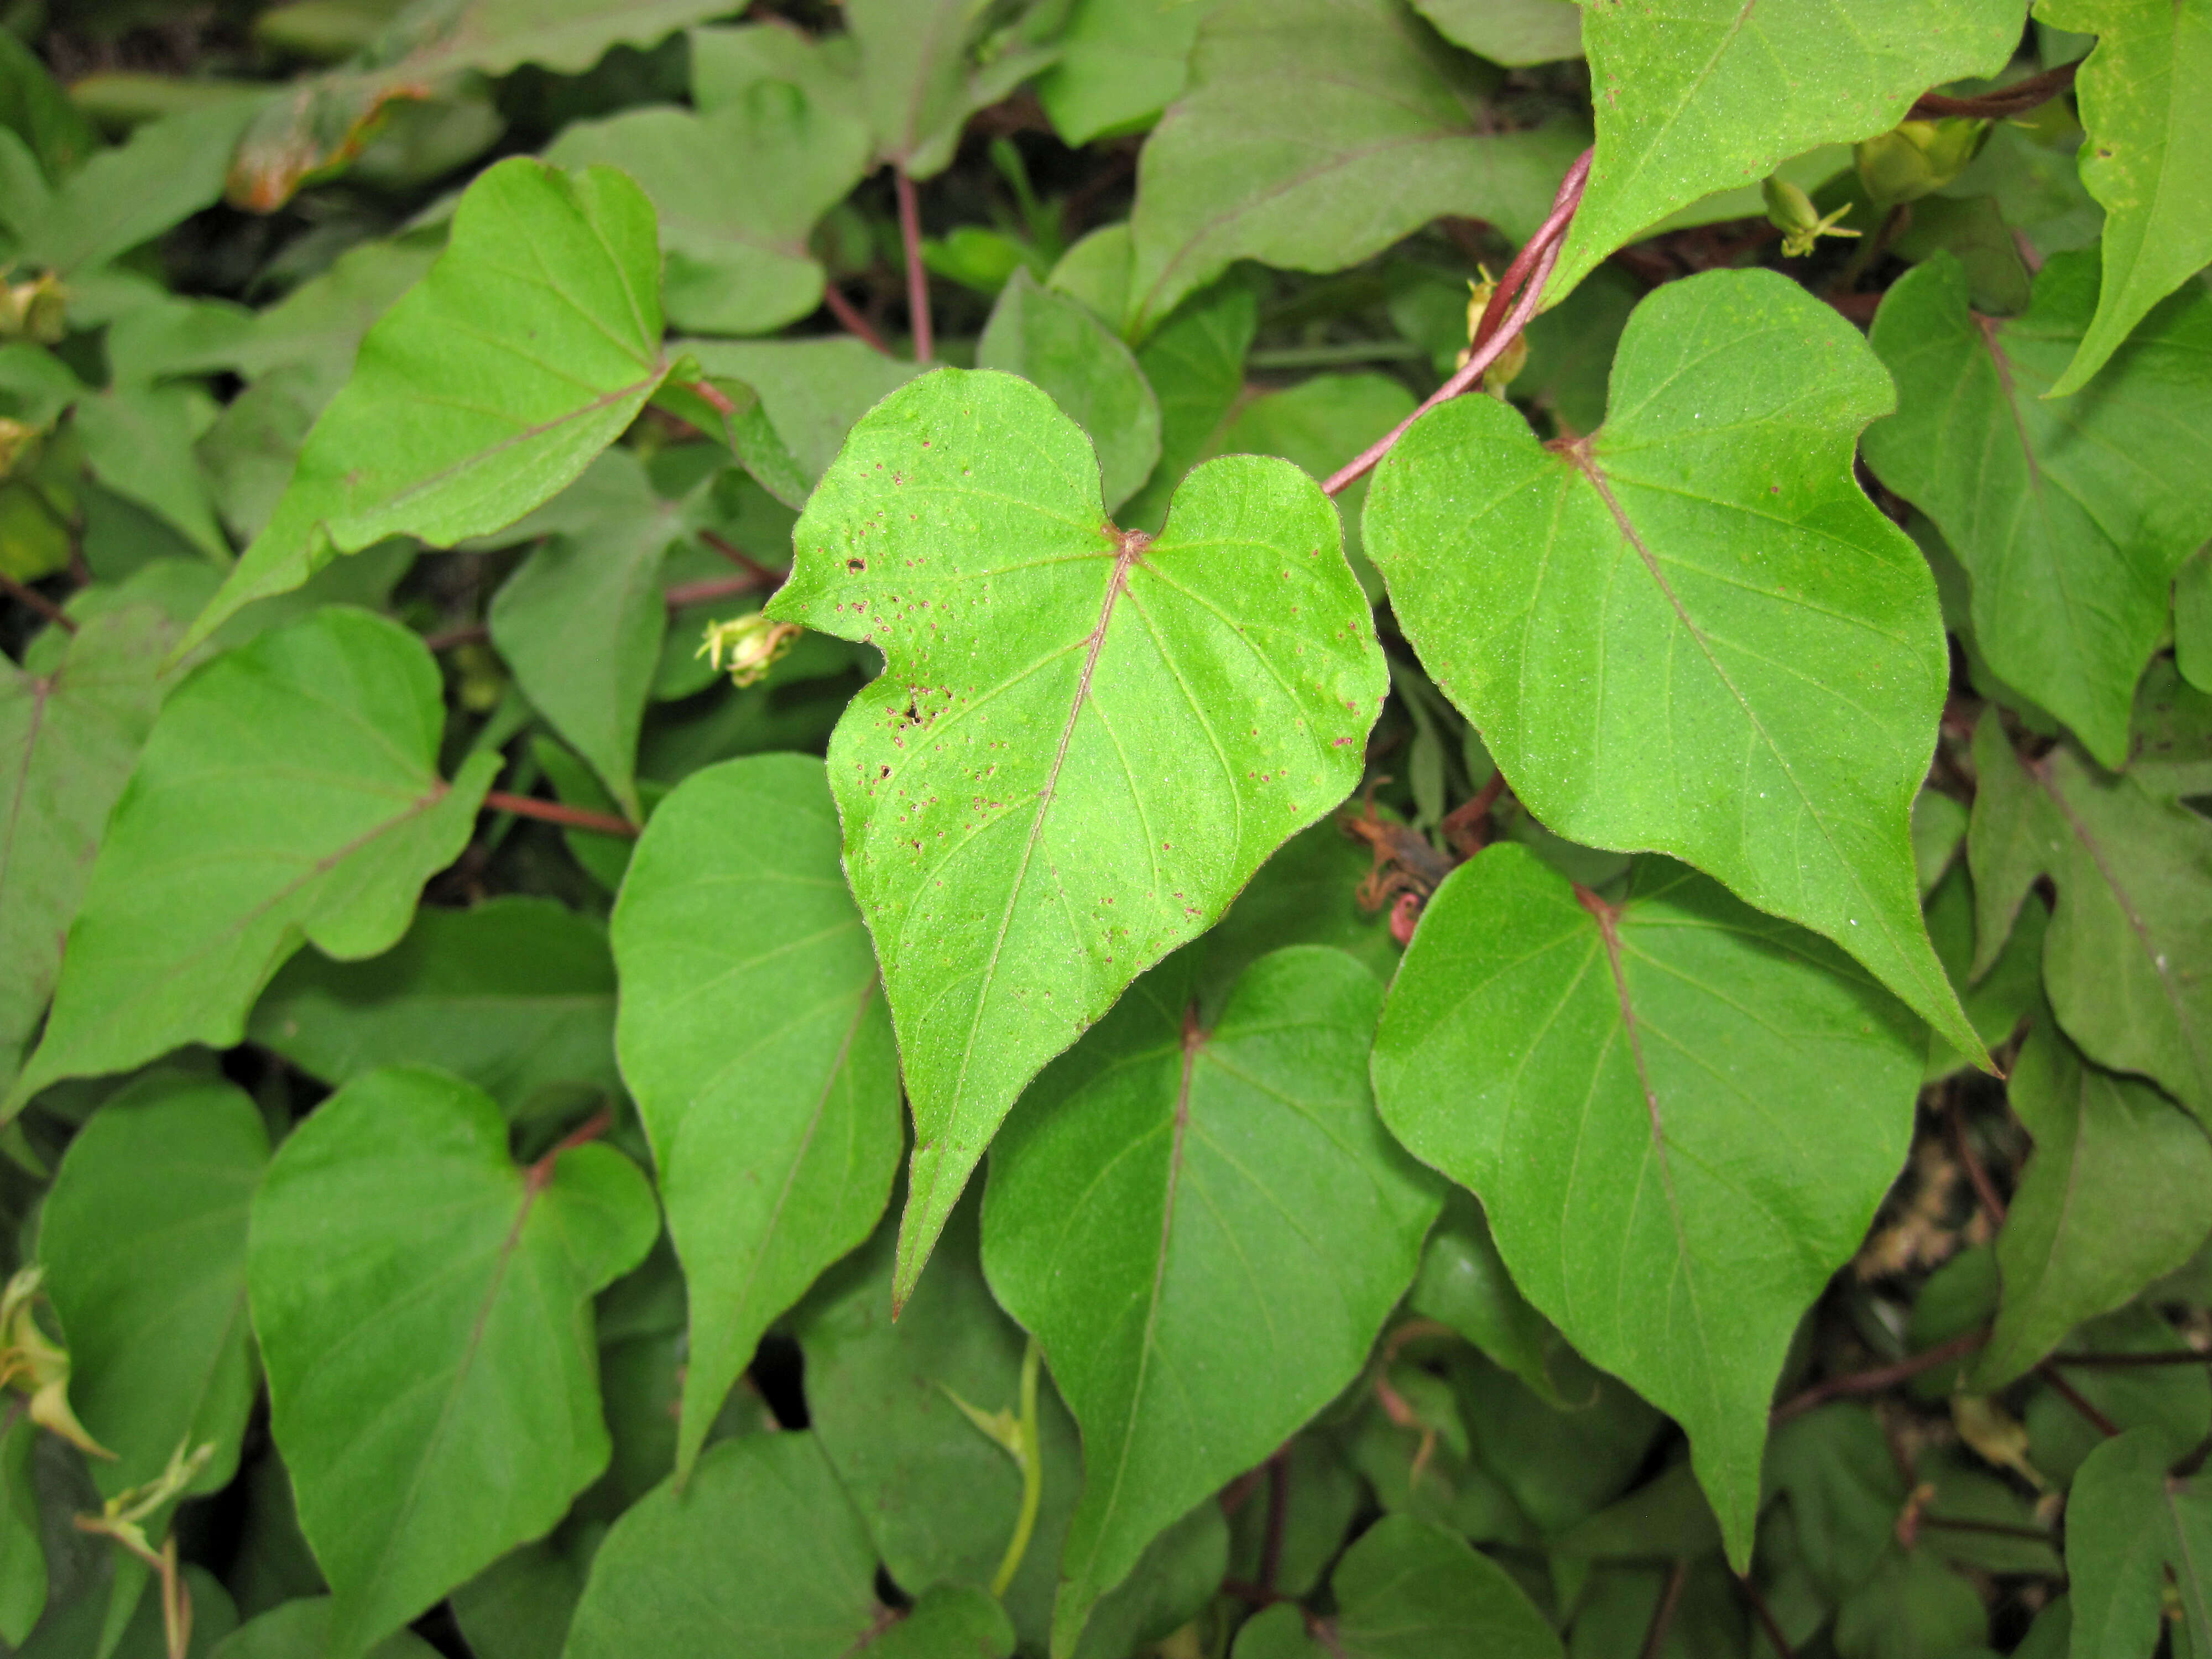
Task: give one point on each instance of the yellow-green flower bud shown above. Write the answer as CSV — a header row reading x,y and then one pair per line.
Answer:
x,y
1790,210
1918,158
748,646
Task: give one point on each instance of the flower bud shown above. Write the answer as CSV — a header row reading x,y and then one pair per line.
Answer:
x,y
748,646
1918,158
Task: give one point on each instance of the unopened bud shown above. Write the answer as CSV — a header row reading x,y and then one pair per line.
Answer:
x,y
1918,158
748,646
35,310
1790,211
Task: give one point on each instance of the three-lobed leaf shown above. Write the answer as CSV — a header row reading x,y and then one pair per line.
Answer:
x,y
1084,741
1679,1115
424,1311
1690,633
1704,95
754,1035
532,343
288,793
2071,515
1204,1229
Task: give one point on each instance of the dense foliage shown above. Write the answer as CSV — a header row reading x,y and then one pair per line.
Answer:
x,y
1547,939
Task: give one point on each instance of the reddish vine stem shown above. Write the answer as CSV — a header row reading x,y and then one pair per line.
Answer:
x,y
22,593
552,811
1662,1616
2020,96
850,319
738,555
1880,1378
589,1130
677,598
917,276
1530,269
1767,1622
2080,1402
1985,1192
2117,1361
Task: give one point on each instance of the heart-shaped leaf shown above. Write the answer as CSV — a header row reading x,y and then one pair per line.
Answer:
x,y
289,793
2047,500
424,1311
1159,1183
1703,95
1679,1115
754,1035
1083,742
532,343
2127,961
1692,633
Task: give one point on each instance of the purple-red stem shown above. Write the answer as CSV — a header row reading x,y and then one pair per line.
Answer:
x,y
1530,269
850,319
2080,1402
678,597
550,811
1882,1377
1662,1616
917,276
23,594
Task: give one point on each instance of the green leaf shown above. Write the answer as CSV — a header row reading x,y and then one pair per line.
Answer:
x,y
1057,343
754,1035
168,170
34,106
1679,1115
1694,635
940,1498
2177,1399
1409,1590
2118,1194
1194,362
926,66
1710,94
72,733
810,394
138,442
1318,425
1318,132
581,621
143,1241
737,191
516,996
519,1607
288,794
22,1546
1913,1606
1463,1284
2192,620
1510,32
1037,809
2009,993
2148,158
1121,61
2128,1525
424,1311
326,120
2125,960
1159,1184
1306,894
727,64
533,342
301,1629
762,1553
2107,493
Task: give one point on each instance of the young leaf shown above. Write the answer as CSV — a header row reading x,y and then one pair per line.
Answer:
x,y
516,996
582,620
1084,741
1710,94
2125,960
737,191
922,73
1121,61
288,793
143,1241
533,342
1409,1590
763,1554
424,1311
1679,1115
1514,33
2118,1194
1055,343
327,119
1204,1230
71,735
1315,133
754,1035
2046,501
2130,1526
2148,158
810,392
1690,633
885,1398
